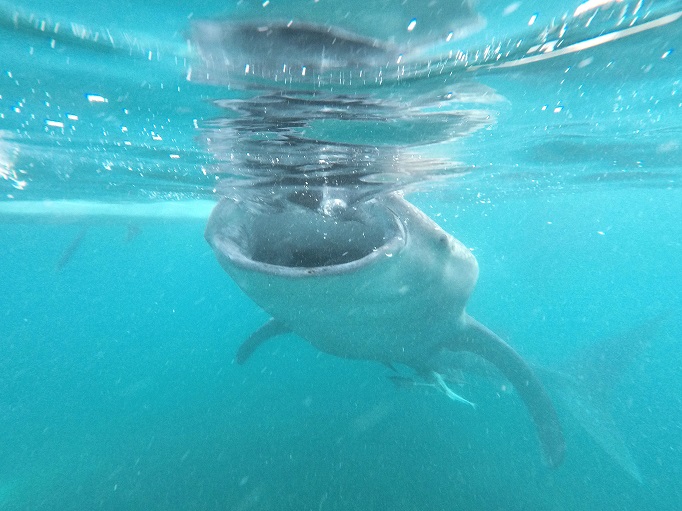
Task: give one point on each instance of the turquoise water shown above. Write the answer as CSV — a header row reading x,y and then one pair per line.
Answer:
x,y
118,388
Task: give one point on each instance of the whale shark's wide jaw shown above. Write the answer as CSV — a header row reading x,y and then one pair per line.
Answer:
x,y
297,241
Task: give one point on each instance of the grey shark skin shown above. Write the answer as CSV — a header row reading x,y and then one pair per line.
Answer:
x,y
379,281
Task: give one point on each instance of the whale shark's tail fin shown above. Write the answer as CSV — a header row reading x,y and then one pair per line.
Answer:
x,y
591,413
584,387
481,341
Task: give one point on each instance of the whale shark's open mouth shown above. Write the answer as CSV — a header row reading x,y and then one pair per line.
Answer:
x,y
297,240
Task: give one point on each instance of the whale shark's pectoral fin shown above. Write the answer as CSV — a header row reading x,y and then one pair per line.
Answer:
x,y
479,340
391,367
271,329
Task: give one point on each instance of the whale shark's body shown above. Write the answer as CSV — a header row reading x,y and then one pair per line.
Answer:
x,y
376,281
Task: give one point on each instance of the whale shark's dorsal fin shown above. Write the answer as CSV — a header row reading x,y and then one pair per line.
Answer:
x,y
479,340
271,329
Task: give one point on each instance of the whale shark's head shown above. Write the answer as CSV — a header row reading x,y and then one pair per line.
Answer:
x,y
293,239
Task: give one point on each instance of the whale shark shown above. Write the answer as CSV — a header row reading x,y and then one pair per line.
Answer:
x,y
377,280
